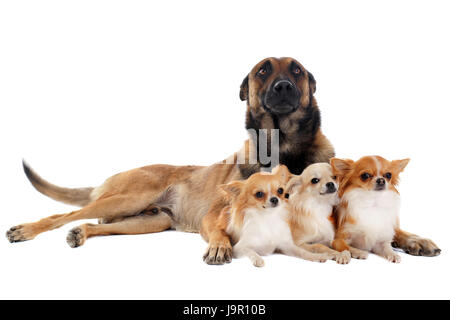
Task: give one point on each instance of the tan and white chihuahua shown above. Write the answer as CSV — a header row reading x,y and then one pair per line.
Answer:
x,y
368,213
313,194
258,215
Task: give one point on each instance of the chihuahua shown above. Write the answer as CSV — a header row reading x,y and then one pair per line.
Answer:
x,y
368,213
257,218
313,195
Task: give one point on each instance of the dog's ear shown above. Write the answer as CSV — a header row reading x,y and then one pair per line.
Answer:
x,y
295,182
283,172
231,190
341,166
399,165
243,94
312,83
396,167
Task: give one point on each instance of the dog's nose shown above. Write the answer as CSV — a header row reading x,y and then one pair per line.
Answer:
x,y
381,181
274,201
283,87
331,187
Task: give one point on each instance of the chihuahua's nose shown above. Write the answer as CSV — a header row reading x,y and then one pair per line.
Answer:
x,y
274,201
381,182
331,187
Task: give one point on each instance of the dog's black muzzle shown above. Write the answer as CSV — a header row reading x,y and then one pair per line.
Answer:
x,y
282,97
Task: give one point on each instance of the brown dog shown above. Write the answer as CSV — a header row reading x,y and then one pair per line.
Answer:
x,y
279,94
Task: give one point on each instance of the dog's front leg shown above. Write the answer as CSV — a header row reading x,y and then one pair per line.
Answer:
x,y
212,229
295,251
384,250
415,245
343,257
241,250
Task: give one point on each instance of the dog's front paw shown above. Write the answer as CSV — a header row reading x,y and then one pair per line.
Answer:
x,y
417,246
258,262
359,254
76,237
394,258
218,254
343,257
21,232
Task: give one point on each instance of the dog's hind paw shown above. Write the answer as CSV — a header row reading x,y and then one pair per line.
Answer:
x,y
76,237
20,233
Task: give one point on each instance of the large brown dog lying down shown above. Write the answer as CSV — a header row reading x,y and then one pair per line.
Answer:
x,y
279,95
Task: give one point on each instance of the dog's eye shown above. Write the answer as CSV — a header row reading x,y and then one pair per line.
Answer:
x,y
259,194
286,195
297,70
154,210
388,175
280,190
334,177
262,71
365,176
315,180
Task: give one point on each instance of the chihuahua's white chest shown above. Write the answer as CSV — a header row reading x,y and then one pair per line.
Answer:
x,y
376,216
316,221
265,231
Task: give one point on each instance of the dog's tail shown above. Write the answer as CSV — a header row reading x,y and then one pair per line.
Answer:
x,y
74,196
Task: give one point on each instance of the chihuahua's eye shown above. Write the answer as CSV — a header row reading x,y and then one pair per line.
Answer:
x,y
388,175
315,180
334,177
259,194
286,195
154,210
280,190
365,176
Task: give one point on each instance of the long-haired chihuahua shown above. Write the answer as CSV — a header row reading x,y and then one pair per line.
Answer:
x,y
313,194
368,213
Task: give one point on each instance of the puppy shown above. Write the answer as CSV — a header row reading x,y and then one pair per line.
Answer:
x,y
257,219
368,214
313,195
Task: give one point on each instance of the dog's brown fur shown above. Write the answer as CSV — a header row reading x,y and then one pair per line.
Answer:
x,y
160,197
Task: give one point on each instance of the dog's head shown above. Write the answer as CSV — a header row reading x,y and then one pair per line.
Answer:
x,y
261,191
278,85
372,173
316,181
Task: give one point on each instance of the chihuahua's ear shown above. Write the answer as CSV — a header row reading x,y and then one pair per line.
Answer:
x,y
243,93
283,172
399,165
341,166
232,189
295,182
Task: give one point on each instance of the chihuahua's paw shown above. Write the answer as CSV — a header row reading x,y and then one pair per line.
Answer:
x,y
359,254
343,257
21,232
321,258
417,246
76,237
218,254
258,262
393,257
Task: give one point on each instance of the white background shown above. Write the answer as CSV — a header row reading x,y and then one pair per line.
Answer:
x,y
91,88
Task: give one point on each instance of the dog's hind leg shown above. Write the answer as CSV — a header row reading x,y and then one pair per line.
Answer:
x,y
109,207
140,224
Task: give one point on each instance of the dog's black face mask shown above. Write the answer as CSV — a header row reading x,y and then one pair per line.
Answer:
x,y
281,85
282,96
